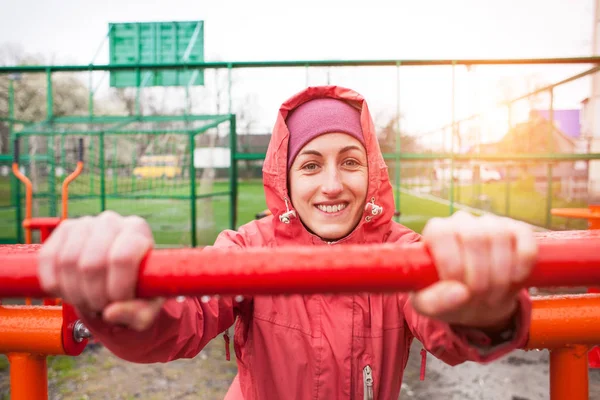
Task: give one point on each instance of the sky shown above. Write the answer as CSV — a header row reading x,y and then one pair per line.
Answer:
x,y
71,31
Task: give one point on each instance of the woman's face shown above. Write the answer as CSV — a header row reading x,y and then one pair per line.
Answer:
x,y
328,184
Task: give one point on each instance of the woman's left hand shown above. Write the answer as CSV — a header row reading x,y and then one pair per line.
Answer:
x,y
479,260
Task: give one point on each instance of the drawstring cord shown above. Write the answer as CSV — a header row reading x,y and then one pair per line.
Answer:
x,y
226,337
423,363
289,214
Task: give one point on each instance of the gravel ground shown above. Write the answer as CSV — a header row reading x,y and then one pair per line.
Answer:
x,y
97,374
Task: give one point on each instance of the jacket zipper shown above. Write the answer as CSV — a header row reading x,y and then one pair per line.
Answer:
x,y
368,383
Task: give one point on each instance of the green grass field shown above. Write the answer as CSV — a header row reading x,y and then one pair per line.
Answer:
x,y
171,222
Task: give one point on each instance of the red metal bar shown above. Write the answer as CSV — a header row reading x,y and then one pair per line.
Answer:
x,y
28,376
311,269
569,373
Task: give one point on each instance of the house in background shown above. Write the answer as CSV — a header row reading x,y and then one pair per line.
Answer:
x,y
538,135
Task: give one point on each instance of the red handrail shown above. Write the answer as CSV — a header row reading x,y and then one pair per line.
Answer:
x,y
565,259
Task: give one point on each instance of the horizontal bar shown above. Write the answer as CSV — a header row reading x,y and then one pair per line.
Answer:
x,y
565,319
31,329
565,259
24,157
463,157
162,131
16,121
108,119
298,63
165,197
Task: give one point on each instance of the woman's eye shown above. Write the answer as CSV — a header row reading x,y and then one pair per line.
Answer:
x,y
351,163
310,167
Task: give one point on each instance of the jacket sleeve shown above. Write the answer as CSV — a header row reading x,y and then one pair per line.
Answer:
x,y
181,329
455,345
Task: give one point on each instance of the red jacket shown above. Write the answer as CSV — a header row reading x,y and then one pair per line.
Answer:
x,y
316,346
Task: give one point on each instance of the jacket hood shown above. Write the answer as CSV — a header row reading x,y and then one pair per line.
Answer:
x,y
379,208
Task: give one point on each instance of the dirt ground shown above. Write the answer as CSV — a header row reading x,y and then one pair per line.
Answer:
x,y
97,374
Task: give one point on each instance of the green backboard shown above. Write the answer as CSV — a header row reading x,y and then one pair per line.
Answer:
x,y
156,43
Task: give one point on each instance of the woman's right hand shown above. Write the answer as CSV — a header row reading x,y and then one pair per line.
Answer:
x,y
92,263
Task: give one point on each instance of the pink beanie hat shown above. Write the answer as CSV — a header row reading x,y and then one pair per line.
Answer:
x,y
319,116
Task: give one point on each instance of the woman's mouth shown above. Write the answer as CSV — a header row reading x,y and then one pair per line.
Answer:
x,y
332,209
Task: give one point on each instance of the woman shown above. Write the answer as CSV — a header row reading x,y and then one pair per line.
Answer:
x,y
326,183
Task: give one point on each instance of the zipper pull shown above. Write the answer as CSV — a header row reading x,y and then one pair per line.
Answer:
x,y
368,383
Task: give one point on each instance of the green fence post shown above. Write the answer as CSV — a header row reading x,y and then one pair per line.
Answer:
x,y
115,174
90,96
14,183
138,80
233,179
133,177
191,137
91,153
551,149
453,133
398,140
49,100
52,177
507,205
102,173
63,154
508,169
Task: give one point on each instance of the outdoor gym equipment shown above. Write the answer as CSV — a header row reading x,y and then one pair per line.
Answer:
x,y
44,224
566,325
592,214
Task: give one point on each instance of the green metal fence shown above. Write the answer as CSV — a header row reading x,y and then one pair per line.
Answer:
x,y
422,178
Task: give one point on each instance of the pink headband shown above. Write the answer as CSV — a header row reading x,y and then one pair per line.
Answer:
x,y
319,116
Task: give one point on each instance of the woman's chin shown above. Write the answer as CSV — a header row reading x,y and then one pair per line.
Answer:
x,y
332,234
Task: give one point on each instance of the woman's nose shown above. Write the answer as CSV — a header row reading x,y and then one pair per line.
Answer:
x,y
332,184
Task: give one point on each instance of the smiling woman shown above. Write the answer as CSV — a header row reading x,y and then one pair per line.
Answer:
x,y
326,184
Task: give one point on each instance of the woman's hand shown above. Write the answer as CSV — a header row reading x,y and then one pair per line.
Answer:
x,y
92,263
479,260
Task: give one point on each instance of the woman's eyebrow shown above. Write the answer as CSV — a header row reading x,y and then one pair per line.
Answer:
x,y
348,148
311,152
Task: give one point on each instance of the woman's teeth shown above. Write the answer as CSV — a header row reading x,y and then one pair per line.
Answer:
x,y
331,209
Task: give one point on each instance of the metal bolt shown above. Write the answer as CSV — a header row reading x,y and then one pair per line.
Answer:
x,y
80,332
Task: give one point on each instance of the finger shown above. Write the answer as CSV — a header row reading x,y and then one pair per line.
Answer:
x,y
138,314
500,261
440,299
126,253
93,263
525,253
444,248
474,240
47,260
68,259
